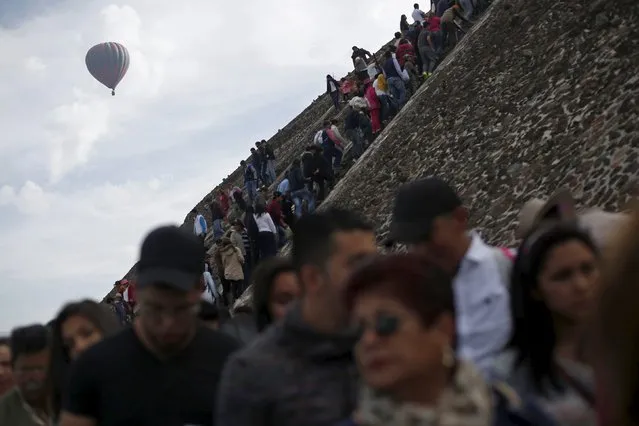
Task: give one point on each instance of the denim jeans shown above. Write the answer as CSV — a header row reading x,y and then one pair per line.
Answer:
x,y
429,58
270,170
264,177
218,231
303,195
358,144
333,156
251,190
398,90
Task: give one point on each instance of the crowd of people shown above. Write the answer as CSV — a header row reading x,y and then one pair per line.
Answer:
x,y
216,328
451,332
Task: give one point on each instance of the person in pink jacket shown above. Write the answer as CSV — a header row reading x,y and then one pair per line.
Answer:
x,y
374,106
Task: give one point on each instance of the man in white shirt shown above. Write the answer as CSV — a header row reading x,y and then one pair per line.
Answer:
x,y
429,217
418,15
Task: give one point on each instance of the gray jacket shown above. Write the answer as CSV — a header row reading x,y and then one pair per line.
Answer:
x,y
289,376
241,326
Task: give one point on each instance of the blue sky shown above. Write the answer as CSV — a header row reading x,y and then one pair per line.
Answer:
x,y
84,175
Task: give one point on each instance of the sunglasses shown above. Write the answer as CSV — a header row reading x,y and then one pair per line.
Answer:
x,y
384,325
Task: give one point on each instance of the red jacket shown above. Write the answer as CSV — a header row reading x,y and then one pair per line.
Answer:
x,y
225,203
275,210
371,97
434,24
402,50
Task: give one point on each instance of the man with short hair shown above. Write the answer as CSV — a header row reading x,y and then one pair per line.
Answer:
x,y
430,218
165,369
418,15
358,52
27,403
300,371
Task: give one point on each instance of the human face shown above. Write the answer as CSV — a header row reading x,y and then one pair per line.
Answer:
x,y
168,317
6,374
446,236
395,348
30,373
78,334
286,289
569,279
350,248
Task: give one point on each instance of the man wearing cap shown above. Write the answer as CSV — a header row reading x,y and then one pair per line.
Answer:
x,y
429,217
165,369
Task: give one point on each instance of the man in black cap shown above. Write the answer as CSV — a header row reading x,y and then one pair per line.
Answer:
x,y
165,369
430,218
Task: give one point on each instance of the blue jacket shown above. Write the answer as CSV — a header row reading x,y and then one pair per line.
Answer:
x,y
389,69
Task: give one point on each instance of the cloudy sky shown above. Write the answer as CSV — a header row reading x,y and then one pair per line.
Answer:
x,y
84,175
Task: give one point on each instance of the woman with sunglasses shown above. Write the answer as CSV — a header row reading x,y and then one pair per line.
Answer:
x,y
404,307
77,327
555,279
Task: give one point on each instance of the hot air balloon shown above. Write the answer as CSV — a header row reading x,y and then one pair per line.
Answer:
x,y
108,63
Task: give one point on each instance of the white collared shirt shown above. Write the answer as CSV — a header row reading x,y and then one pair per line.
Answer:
x,y
482,301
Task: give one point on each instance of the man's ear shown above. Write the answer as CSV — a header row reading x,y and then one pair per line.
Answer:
x,y
310,278
460,214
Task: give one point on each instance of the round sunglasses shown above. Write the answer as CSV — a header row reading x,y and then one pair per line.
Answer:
x,y
384,325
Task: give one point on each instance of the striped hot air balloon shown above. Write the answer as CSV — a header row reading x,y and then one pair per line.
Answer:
x,y
108,63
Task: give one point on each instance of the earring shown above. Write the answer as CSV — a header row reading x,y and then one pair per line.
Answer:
x,y
448,357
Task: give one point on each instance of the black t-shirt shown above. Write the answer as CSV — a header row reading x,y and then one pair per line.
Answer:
x,y
118,382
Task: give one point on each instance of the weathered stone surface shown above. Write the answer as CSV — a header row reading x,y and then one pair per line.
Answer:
x,y
539,94
517,112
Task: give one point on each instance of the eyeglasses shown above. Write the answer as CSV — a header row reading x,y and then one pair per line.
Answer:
x,y
384,325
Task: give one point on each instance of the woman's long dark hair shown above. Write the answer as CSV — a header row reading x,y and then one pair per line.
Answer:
x,y
263,279
534,338
103,318
260,209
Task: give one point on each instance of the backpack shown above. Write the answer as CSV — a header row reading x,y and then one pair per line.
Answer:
x,y
319,137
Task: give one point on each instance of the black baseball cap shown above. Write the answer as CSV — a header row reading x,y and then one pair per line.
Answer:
x,y
171,256
417,205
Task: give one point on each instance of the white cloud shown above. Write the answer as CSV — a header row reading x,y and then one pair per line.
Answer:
x,y
83,174
30,199
34,64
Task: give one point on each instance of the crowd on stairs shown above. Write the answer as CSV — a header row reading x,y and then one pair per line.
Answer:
x,y
216,328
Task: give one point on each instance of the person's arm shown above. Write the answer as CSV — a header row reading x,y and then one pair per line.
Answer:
x,y
240,400
81,405
399,70
239,255
271,225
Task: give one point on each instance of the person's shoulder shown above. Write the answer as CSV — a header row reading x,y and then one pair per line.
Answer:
x,y
215,340
262,351
111,349
7,403
510,408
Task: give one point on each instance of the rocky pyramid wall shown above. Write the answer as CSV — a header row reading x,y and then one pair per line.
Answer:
x,y
540,94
